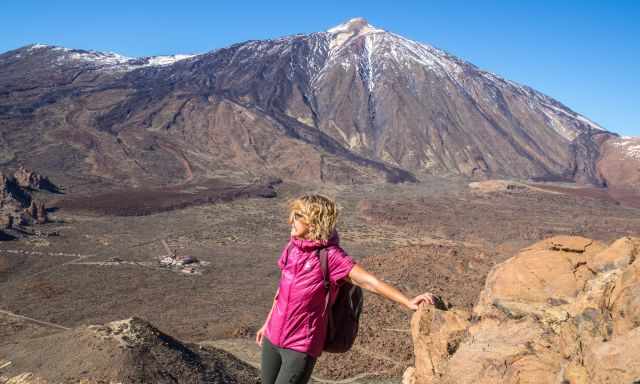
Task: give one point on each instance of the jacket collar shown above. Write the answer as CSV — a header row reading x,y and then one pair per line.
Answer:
x,y
311,245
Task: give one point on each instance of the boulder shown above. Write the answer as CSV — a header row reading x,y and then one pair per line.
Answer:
x,y
564,310
551,272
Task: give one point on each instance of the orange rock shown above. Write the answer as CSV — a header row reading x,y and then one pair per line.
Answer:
x,y
625,299
615,361
436,336
619,254
550,271
566,309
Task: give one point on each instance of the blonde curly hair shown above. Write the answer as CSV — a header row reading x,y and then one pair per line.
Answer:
x,y
319,212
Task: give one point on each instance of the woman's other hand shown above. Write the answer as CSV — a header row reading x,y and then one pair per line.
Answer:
x,y
260,335
425,297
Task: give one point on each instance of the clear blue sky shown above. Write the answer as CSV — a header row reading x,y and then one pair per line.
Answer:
x,y
582,53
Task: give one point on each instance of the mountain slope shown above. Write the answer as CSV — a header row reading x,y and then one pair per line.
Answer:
x,y
353,104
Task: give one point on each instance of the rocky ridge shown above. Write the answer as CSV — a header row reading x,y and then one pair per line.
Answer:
x,y
562,310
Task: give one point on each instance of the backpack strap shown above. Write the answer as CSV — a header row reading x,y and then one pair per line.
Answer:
x,y
323,255
286,257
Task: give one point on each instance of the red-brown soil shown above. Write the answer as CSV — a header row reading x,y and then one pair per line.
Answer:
x,y
436,236
140,202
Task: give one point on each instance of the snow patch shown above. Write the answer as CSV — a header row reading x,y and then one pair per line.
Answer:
x,y
106,58
166,60
36,46
571,115
629,146
368,46
115,62
558,125
589,123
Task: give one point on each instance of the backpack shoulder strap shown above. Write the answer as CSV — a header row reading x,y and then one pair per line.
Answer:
x,y
323,254
286,257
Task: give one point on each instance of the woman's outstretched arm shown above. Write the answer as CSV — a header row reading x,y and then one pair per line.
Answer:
x,y
360,277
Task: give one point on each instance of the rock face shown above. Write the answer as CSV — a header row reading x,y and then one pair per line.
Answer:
x,y
16,204
12,196
37,212
29,179
619,165
565,310
353,104
127,351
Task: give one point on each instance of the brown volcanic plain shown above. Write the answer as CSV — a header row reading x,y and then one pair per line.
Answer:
x,y
438,235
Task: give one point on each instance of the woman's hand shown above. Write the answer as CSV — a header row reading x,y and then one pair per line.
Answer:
x,y
260,335
425,297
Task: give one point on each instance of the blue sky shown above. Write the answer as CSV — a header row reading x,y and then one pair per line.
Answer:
x,y
583,53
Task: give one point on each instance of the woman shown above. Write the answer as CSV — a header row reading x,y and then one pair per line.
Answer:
x,y
293,334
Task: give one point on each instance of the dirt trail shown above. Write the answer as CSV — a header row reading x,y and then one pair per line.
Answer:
x,y
58,266
182,159
40,253
41,322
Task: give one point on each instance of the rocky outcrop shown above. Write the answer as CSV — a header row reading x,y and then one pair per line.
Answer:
x,y
564,310
36,212
12,196
17,206
126,351
16,203
32,180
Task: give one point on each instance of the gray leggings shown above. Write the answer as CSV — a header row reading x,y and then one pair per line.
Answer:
x,y
284,366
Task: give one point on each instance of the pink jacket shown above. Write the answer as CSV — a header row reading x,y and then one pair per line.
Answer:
x,y
298,320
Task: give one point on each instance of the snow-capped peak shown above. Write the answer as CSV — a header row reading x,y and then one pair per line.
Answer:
x,y
356,25
353,28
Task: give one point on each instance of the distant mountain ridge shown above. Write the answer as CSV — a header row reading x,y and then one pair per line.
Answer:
x,y
352,104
